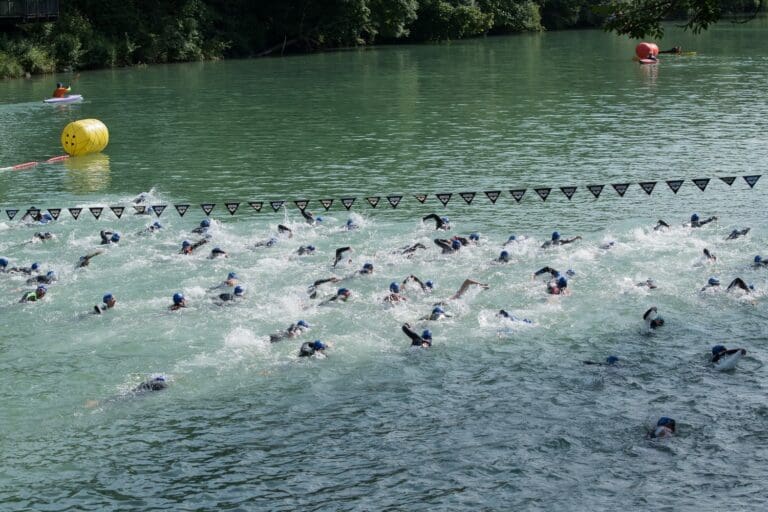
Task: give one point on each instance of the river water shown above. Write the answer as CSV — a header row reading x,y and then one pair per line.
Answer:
x,y
497,415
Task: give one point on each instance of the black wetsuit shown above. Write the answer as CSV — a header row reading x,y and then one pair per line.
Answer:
x,y
413,248
736,233
738,283
656,322
439,222
340,254
445,245
309,217
151,385
699,223
106,236
559,241
416,340
729,352
292,331
305,250
661,225
547,270
46,279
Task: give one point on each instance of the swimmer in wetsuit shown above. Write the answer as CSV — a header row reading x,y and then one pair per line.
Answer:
x,y
448,246
229,282
311,219
665,427
739,283
42,237
441,223
351,226
759,262
719,352
558,240
238,294
648,283
342,295
187,247
292,331
306,250
310,348
34,296
412,248
109,302
86,260
503,314
503,257
547,270
709,257
109,237
155,226
438,313
24,270
394,294
661,225
736,233
340,255
513,240
609,361
424,341
49,278
178,302
652,319
426,286
3,265
558,287
712,283
156,383
696,222
217,252
205,224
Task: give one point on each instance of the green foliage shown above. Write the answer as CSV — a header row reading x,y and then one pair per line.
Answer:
x,y
391,19
513,15
439,20
9,66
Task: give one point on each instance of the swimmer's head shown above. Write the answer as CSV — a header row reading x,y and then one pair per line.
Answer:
x,y
367,268
349,222
695,217
205,223
343,292
455,245
157,383
570,272
319,219
612,360
157,225
445,219
178,298
311,248
115,237
504,256
717,349
59,84
555,236
437,311
231,276
426,335
41,290
35,266
394,287
562,282
185,244
474,237
511,238
758,259
107,298
713,281
3,262
302,323
217,251
751,286
318,345
51,274
46,218
429,284
239,291
666,422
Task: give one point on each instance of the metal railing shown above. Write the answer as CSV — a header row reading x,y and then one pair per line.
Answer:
x,y
29,9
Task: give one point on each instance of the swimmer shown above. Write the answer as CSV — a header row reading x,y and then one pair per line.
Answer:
x,y
109,302
3,265
503,257
306,250
608,245
474,238
45,219
350,225
366,270
178,302
311,219
426,286
438,313
424,341
558,287
342,295
736,233
109,237
394,294
42,237
412,248
292,331
697,223
661,225
759,262
739,283
284,231
665,427
648,283
709,257
311,348
205,224
312,289
34,296
465,286
719,352
24,270
513,239
187,247
652,319
267,243
33,214
340,255
229,282
441,223
609,361
448,246
86,260
712,283
155,226
49,278
238,294
217,252
156,383
141,198
558,240
503,314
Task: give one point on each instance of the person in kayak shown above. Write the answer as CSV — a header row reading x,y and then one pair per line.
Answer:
x,y
109,302
292,331
424,341
34,296
676,50
60,90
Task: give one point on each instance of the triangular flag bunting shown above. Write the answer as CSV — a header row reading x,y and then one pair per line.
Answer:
x,y
394,200
421,197
96,211
158,209
181,209
11,213
568,191
751,180
348,202
647,186
256,205
467,196
444,198
327,203
493,195
75,212
33,212
373,201
543,193
232,207
701,183
675,185
207,208
55,212
276,205
729,180
596,190
620,188
117,210
301,204
517,194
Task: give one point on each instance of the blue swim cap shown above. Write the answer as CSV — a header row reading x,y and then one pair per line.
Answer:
x,y
368,266
218,250
751,286
310,247
511,238
318,345
160,378
713,281
612,360
178,298
3,262
429,284
562,282
570,272
319,219
115,237
231,275
50,273
394,287
107,297
239,290
205,223
455,244
47,217
474,236
437,310
302,323
427,334
504,255
349,222
758,259
157,225
555,236
35,266
694,217
186,243
665,422
342,291
42,288
717,349
445,219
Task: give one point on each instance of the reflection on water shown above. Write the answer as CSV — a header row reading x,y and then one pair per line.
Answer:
x,y
89,173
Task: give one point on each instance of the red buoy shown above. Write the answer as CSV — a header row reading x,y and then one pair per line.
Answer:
x,y
644,50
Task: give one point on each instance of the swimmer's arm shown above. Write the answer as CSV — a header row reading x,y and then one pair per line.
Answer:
x,y
323,281
707,221
545,270
432,216
307,215
198,244
415,338
465,286
97,310
738,282
463,240
443,243
570,240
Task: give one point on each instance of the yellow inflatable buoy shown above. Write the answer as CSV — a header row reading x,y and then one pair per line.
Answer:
x,y
84,137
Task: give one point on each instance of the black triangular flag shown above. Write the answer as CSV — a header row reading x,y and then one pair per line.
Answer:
x,y
373,201
55,212
595,189
11,213
620,188
421,197
568,191
158,209
140,209
207,208
493,195
444,198
232,207
117,210
751,180
675,185
467,196
181,209
647,186
517,194
75,212
701,183
543,192
301,204
348,202
256,205
327,203
276,205
96,211
729,180
394,200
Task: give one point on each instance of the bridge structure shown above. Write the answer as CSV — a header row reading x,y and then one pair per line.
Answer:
x,y
24,11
